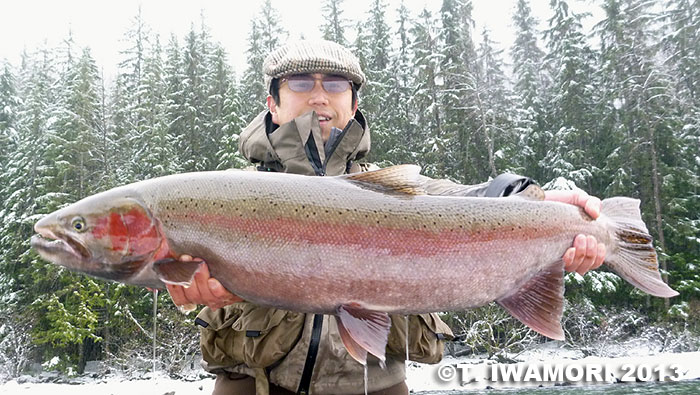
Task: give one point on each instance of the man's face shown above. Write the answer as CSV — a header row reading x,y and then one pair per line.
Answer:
x,y
333,109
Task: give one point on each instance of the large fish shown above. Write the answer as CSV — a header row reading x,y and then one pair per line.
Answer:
x,y
356,246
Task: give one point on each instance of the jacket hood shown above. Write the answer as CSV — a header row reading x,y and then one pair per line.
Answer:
x,y
298,147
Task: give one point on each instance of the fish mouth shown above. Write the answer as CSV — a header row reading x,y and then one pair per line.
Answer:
x,y
56,246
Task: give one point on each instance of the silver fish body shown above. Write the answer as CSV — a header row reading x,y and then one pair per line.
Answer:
x,y
370,242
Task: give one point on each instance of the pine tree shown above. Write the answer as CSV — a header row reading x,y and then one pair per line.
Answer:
x,y
638,90
334,27
464,158
73,145
493,101
228,154
9,107
529,86
190,144
129,118
25,176
266,34
681,46
154,154
572,98
426,95
175,98
682,41
402,142
375,92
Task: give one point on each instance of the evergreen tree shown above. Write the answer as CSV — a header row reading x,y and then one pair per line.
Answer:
x,y
529,86
375,92
682,41
191,144
464,157
638,90
228,154
154,154
402,142
25,179
572,98
129,118
266,34
426,95
68,311
493,101
175,98
334,27
225,121
9,106
9,103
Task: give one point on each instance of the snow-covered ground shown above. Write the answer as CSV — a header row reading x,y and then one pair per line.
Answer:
x,y
545,365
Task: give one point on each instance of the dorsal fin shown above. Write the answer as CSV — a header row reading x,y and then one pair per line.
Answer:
x,y
403,179
532,192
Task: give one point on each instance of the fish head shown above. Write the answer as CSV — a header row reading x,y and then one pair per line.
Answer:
x,y
105,236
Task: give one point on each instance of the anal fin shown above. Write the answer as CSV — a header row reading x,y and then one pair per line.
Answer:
x,y
363,331
540,301
173,271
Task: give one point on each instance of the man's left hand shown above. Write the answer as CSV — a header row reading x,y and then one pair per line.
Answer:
x,y
587,253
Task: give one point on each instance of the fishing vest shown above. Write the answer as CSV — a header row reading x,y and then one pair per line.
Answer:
x,y
304,352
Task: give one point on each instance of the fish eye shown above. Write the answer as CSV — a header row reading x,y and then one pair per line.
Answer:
x,y
78,224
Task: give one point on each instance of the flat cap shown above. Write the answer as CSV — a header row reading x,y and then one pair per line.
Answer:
x,y
321,56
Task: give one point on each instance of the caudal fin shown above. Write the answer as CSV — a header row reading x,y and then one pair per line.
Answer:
x,y
634,259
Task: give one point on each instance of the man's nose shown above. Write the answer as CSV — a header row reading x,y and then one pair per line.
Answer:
x,y
318,94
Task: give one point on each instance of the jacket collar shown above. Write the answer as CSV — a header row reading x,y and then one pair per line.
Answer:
x,y
297,146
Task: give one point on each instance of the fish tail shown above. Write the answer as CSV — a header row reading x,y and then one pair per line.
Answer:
x,y
633,256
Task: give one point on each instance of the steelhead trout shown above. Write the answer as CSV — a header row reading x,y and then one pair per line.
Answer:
x,y
356,246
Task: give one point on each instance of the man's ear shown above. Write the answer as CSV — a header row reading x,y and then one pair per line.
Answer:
x,y
271,104
354,108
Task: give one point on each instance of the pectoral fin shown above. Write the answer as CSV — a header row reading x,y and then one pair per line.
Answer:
x,y
173,271
363,331
539,302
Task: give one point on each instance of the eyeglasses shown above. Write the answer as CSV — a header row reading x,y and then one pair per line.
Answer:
x,y
305,83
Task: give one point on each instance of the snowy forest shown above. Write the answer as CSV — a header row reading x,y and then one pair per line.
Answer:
x,y
613,110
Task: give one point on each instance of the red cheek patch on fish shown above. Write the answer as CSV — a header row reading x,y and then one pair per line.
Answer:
x,y
132,232
141,231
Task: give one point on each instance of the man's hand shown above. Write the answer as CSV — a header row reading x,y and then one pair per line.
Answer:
x,y
203,290
587,253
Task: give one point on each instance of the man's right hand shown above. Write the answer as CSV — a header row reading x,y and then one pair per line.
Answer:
x,y
203,290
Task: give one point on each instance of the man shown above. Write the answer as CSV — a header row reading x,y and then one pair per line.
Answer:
x,y
313,126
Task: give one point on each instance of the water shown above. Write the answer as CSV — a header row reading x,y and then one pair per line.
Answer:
x,y
685,387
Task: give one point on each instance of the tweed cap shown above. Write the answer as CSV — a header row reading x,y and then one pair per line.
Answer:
x,y
312,57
